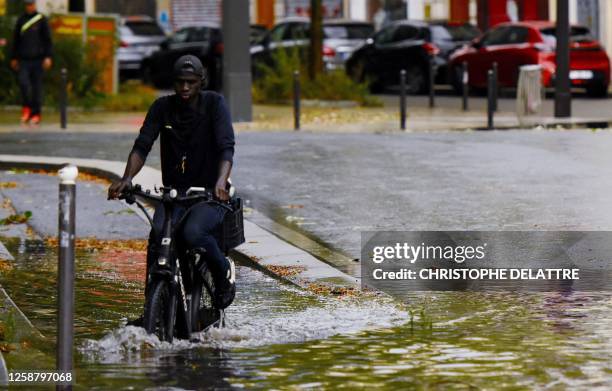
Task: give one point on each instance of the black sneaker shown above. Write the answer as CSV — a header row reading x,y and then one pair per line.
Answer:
x,y
225,288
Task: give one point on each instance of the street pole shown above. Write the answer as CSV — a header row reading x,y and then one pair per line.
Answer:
x,y
65,302
237,59
495,85
563,98
432,81
296,100
63,98
403,99
490,99
465,84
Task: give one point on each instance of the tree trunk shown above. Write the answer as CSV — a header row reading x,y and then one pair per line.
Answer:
x,y
315,59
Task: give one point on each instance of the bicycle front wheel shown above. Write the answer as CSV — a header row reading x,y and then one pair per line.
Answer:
x,y
160,311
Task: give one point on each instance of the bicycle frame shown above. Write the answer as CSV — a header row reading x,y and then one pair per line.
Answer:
x,y
167,266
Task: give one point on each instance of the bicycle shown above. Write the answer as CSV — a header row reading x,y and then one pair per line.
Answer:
x,y
178,301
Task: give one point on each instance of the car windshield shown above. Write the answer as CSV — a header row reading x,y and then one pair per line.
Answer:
x,y
577,34
257,34
463,32
348,31
144,28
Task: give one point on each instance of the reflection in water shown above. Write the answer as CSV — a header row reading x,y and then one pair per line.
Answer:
x,y
280,336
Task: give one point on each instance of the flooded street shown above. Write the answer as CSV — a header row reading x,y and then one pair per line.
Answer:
x,y
281,336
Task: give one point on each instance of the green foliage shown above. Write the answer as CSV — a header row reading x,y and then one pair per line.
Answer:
x,y
133,96
8,84
72,54
17,218
275,84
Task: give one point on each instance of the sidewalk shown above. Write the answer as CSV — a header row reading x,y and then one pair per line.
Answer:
x,y
262,250
447,115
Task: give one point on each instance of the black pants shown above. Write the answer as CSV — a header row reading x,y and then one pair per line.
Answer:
x,y
29,76
196,231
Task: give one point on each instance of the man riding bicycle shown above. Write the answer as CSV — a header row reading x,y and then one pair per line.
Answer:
x,y
197,149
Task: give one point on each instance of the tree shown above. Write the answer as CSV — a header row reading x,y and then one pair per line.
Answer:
x,y
315,59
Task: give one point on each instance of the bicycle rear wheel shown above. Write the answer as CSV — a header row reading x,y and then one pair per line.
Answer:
x,y
203,314
160,311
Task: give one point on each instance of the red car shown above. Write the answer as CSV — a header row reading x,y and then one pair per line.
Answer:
x,y
520,43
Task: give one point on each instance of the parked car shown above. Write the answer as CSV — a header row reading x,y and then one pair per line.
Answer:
x,y
514,44
203,41
340,38
408,45
139,36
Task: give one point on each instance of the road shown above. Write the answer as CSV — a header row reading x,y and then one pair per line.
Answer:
x,y
335,185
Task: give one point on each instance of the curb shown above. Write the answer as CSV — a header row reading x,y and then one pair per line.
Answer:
x,y
263,250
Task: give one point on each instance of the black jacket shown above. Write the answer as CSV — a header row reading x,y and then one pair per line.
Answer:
x,y
32,41
190,154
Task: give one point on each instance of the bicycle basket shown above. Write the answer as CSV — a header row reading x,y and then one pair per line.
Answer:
x,y
232,229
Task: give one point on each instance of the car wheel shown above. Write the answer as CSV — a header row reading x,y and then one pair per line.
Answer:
x,y
416,80
597,91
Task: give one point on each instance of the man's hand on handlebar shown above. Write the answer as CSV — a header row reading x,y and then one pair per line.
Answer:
x,y
222,190
118,187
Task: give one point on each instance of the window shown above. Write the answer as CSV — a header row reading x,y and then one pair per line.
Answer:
x,y
278,32
144,28
385,35
498,36
200,34
348,31
454,33
403,33
180,36
577,34
298,31
517,35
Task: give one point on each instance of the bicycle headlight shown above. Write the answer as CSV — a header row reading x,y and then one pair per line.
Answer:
x,y
162,261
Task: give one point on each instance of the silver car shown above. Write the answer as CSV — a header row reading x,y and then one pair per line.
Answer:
x,y
139,37
340,38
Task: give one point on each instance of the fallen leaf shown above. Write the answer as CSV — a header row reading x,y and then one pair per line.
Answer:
x,y
8,185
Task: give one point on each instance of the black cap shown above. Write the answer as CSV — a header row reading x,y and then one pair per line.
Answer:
x,y
188,64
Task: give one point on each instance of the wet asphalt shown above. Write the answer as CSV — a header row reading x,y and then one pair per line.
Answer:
x,y
333,186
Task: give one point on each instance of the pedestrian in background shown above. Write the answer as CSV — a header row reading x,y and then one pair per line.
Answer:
x,y
31,55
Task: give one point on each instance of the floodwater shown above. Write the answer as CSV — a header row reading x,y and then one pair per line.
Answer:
x,y
279,336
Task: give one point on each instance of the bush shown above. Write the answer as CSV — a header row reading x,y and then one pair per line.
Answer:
x,y
71,53
133,95
275,84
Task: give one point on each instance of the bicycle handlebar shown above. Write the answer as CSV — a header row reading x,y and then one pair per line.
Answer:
x,y
168,194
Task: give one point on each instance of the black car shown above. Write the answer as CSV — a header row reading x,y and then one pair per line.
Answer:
x,y
203,41
408,45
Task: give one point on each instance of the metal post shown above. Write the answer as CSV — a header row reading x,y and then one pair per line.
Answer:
x,y
63,98
296,100
495,86
236,59
65,302
432,79
403,99
464,82
490,98
563,98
